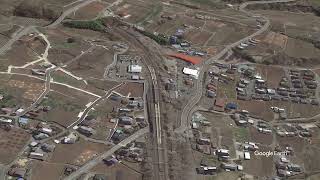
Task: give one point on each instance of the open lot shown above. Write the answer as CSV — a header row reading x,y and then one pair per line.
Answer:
x,y
82,151
131,89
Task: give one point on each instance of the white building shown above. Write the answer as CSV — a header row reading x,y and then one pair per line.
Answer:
x,y
191,72
247,155
134,69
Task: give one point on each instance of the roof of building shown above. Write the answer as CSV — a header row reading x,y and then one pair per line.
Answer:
x,y
190,59
192,72
231,106
23,120
219,102
134,68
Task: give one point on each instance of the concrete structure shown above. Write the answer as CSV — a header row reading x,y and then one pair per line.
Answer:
x,y
191,72
246,155
134,69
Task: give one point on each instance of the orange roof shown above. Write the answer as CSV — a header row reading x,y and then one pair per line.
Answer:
x,y
191,59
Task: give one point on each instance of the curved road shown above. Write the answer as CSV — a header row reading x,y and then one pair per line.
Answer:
x,y
188,109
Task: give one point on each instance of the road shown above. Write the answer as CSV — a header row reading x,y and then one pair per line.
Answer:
x,y
188,109
47,75
85,168
88,109
70,11
17,36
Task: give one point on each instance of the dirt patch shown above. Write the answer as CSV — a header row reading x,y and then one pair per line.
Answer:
x,y
131,89
82,151
276,39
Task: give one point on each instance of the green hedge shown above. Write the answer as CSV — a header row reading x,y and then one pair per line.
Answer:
x,y
95,25
160,39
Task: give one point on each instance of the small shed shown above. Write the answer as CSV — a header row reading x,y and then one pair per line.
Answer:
x,y
232,106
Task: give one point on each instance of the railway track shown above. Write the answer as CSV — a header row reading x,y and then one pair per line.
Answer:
x,y
153,100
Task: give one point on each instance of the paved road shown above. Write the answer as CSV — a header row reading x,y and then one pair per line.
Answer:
x,y
70,11
188,109
85,168
17,36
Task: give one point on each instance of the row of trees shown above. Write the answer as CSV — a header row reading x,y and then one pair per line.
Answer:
x,y
95,25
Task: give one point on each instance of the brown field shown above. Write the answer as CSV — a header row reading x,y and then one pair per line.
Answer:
x,y
66,105
92,65
62,77
95,86
82,97
229,34
78,153
11,57
24,71
298,110
305,151
89,12
62,51
271,74
255,136
259,165
131,89
41,169
293,110
117,172
103,85
32,90
222,128
257,108
24,90
298,48
276,39
11,143
197,37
